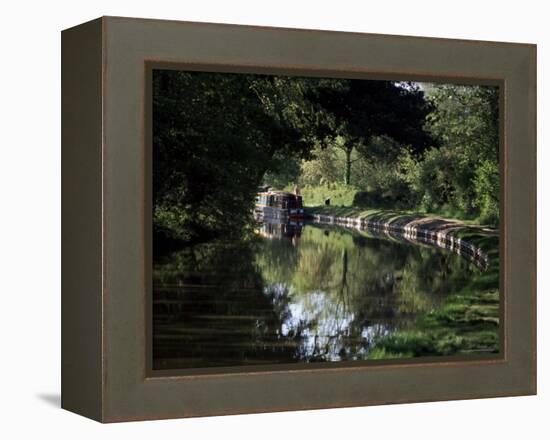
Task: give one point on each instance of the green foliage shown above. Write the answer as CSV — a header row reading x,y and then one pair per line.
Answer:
x,y
486,182
389,182
435,182
384,174
325,166
214,138
373,144
462,174
358,110
283,171
457,176
353,112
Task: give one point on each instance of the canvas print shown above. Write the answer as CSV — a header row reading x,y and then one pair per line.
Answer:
x,y
307,220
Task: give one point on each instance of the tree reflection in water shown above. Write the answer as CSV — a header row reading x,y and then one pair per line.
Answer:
x,y
294,293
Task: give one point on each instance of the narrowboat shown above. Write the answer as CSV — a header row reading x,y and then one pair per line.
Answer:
x,y
279,205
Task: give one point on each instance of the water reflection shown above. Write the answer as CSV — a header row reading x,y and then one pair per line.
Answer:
x,y
275,229
296,293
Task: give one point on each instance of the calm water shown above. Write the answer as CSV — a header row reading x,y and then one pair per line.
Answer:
x,y
294,293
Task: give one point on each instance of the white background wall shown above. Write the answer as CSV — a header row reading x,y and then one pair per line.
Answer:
x,y
30,218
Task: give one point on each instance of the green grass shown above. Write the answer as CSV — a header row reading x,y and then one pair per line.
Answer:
x,y
339,195
468,322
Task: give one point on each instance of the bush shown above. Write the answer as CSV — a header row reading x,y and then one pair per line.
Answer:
x,y
461,176
387,182
486,187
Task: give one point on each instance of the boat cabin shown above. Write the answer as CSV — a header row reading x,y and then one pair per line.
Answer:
x,y
279,204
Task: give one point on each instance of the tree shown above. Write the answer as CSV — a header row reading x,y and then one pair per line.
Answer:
x,y
358,110
463,172
214,137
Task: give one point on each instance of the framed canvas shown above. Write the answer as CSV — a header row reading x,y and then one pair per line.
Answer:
x,y
262,219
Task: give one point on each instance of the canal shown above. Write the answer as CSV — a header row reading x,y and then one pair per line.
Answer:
x,y
299,293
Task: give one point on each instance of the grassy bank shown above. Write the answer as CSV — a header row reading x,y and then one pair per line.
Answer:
x,y
468,320
347,201
339,195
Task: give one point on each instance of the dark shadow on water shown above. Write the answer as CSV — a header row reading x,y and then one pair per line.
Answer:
x,y
52,399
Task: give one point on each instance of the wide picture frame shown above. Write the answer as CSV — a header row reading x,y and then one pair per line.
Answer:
x,y
108,372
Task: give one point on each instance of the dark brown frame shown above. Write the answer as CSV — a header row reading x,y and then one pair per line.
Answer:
x,y
106,234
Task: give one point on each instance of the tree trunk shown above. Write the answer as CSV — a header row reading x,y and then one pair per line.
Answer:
x,y
344,282
347,180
